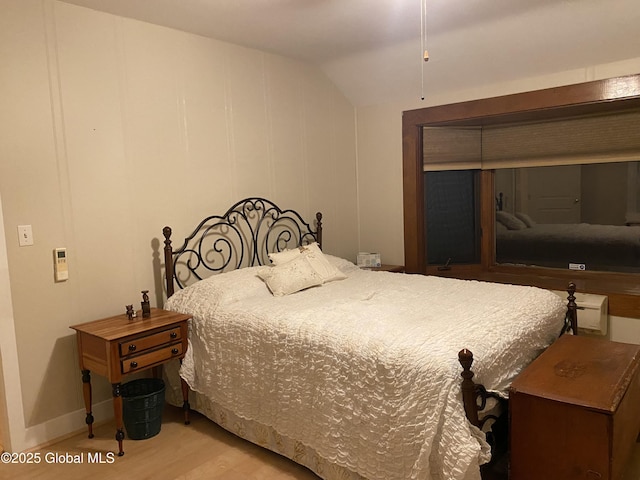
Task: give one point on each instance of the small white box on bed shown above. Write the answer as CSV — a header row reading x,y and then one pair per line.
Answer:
x,y
366,259
593,312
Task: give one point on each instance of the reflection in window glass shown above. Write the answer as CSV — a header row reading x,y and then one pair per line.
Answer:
x,y
582,217
451,217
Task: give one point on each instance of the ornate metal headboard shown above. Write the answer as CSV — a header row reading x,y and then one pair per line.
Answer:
x,y
241,237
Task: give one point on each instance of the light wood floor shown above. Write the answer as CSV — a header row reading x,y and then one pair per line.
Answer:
x,y
201,450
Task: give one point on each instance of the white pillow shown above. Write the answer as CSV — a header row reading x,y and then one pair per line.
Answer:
x,y
342,264
509,221
284,256
290,277
278,258
317,259
526,219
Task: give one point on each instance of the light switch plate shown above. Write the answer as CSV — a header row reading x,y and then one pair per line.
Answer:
x,y
25,235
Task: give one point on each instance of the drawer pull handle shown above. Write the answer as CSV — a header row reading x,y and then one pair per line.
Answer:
x,y
173,334
174,351
132,348
134,364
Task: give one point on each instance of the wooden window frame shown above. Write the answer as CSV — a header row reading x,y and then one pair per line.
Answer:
x,y
601,96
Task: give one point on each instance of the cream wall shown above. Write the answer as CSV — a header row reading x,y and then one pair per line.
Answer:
x,y
111,129
10,393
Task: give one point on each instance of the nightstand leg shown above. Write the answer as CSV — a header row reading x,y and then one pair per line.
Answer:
x,y
117,410
86,390
185,400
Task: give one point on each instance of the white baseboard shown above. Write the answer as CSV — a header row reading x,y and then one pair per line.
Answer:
x,y
62,426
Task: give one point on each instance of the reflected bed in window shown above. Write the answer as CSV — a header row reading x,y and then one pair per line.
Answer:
x,y
597,247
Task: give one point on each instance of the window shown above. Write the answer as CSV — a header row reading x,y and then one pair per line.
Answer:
x,y
615,96
579,217
451,217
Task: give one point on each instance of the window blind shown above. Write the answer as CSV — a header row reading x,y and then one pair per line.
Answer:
x,y
605,138
452,148
568,141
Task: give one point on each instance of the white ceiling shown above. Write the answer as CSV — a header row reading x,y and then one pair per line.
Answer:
x,y
371,48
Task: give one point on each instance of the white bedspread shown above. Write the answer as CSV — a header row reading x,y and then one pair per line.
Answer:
x,y
365,370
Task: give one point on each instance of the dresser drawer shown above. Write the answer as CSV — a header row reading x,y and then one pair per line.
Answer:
x,y
140,362
141,344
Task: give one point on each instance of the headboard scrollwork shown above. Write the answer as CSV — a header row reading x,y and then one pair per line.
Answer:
x,y
242,237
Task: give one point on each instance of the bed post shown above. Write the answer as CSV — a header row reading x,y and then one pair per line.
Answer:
x,y
319,229
168,260
465,357
572,308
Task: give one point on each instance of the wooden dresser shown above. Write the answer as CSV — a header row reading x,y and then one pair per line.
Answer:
x,y
575,411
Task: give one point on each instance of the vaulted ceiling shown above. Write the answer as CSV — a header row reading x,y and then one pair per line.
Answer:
x,y
371,48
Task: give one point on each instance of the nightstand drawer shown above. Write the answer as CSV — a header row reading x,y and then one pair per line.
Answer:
x,y
145,360
151,341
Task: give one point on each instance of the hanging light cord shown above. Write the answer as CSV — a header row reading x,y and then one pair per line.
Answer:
x,y
424,54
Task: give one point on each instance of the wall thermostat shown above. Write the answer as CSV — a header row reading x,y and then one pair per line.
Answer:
x,y
60,266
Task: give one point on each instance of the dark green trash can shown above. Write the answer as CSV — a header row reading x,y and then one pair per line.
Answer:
x,y
142,405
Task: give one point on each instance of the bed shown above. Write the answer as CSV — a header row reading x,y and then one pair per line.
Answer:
x,y
520,240
355,374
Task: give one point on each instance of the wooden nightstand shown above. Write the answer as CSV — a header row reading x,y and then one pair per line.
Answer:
x,y
116,346
574,411
386,268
